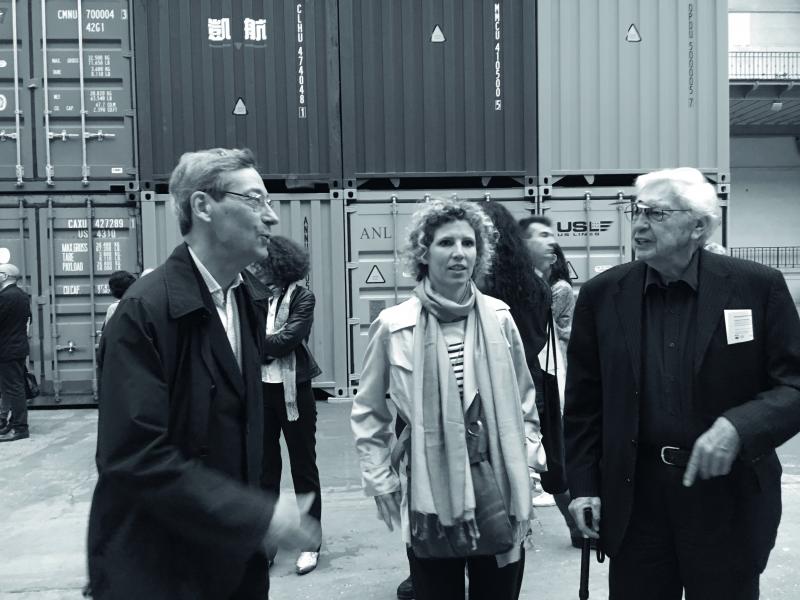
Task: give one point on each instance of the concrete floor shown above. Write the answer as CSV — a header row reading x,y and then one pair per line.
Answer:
x,y
47,482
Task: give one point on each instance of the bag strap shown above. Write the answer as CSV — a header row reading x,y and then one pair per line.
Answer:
x,y
401,447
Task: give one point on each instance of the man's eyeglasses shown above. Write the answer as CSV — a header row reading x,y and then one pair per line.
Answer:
x,y
255,201
637,209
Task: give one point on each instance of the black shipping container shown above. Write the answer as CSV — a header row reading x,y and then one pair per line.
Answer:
x,y
438,88
261,74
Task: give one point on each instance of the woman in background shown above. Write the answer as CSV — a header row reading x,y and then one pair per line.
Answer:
x,y
558,277
287,371
513,280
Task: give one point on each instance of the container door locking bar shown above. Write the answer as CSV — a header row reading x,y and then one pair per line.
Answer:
x,y
49,165
17,112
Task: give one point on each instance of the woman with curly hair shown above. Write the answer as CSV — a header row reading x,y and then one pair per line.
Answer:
x,y
287,371
454,366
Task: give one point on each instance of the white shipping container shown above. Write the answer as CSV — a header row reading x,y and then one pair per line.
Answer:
x,y
629,86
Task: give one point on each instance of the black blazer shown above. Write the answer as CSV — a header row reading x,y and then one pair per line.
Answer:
x,y
15,310
293,336
756,385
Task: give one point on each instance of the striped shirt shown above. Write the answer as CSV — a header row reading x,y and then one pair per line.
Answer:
x,y
454,338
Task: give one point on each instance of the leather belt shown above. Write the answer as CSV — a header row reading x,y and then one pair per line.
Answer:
x,y
669,455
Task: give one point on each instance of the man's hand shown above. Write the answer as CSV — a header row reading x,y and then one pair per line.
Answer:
x,y
576,508
291,525
389,508
714,452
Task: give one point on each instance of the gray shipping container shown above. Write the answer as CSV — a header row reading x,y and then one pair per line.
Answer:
x,y
66,96
377,275
317,222
258,73
435,88
629,86
67,246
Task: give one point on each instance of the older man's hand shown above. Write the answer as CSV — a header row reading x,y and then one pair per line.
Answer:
x,y
577,506
713,453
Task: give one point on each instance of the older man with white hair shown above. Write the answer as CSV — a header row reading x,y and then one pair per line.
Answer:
x,y
15,311
684,376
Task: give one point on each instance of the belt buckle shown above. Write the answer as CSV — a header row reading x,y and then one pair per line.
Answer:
x,y
664,458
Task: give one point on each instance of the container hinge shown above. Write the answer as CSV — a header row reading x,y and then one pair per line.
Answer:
x,y
354,321
99,135
20,170
7,136
351,266
62,135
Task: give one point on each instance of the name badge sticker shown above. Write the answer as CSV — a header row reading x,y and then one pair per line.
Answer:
x,y
739,325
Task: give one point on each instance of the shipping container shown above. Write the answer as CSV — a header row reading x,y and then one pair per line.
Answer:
x,y
317,222
66,96
18,247
438,88
262,74
377,275
629,86
72,243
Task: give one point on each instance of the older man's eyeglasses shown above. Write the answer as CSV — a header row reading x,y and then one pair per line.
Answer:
x,y
637,209
255,201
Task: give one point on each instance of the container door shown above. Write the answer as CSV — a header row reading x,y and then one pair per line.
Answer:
x,y
262,74
79,248
18,247
317,222
85,106
377,274
630,86
438,88
16,152
593,232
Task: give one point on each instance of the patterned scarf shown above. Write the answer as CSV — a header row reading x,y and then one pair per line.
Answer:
x,y
442,493
288,363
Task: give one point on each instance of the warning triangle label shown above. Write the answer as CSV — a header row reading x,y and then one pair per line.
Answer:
x,y
437,36
375,275
633,34
239,108
572,272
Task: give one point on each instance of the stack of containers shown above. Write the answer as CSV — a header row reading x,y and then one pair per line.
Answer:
x,y
68,175
625,87
356,111
262,74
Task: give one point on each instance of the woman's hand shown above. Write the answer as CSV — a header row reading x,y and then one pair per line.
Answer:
x,y
389,508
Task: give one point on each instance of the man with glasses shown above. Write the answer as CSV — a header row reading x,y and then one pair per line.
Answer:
x,y
684,376
177,511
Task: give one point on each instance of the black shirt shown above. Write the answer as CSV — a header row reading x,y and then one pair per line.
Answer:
x,y
669,329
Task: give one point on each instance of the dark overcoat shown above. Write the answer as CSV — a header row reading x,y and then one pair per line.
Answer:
x,y
167,521
755,385
15,310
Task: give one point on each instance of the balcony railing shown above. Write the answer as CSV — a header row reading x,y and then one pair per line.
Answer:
x,y
780,257
769,66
